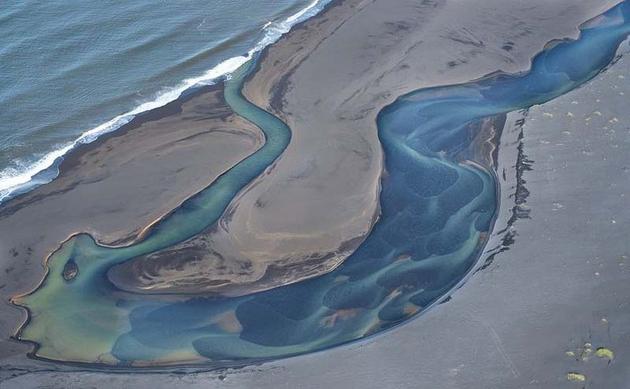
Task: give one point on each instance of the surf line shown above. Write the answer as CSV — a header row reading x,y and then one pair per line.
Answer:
x,y
16,181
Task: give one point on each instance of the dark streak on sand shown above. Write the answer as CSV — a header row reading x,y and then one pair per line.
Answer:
x,y
518,210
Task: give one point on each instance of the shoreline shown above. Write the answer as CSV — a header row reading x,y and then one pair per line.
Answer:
x,y
74,159
45,165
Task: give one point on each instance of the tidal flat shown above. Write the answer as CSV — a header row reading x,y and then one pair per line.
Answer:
x,y
262,67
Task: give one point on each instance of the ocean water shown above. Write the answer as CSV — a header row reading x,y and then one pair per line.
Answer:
x,y
72,70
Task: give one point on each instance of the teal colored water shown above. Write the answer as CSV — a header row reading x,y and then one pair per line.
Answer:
x,y
72,70
436,213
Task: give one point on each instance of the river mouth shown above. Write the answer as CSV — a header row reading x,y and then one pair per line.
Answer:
x,y
437,208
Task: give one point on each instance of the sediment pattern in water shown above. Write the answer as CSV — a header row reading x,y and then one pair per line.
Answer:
x,y
436,211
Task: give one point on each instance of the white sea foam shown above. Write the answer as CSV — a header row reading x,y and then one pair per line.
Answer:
x,y
17,179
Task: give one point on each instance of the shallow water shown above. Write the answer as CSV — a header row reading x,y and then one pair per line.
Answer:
x,y
436,213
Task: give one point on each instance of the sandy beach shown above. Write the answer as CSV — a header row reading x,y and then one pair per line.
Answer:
x,y
328,79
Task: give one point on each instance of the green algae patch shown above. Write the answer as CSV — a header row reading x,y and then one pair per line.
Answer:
x,y
606,353
586,351
576,377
